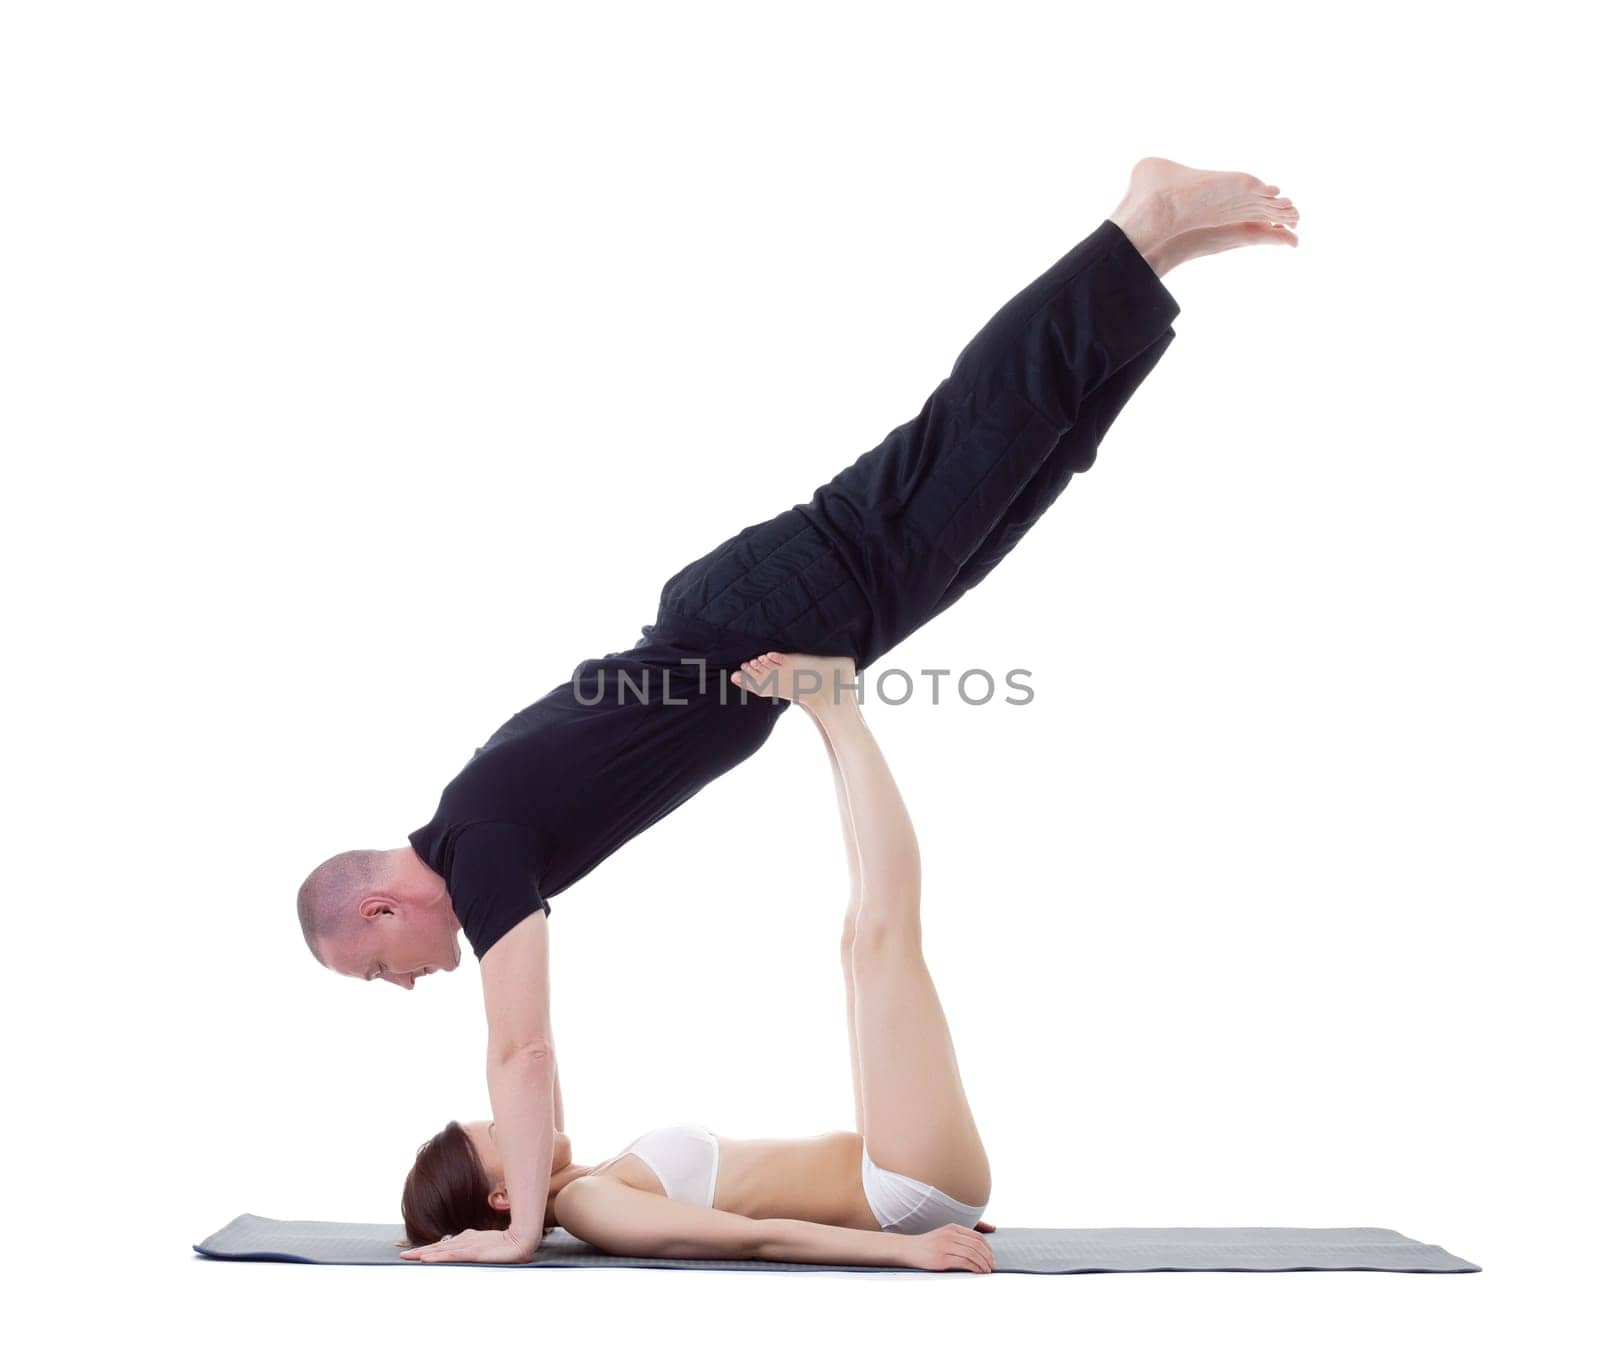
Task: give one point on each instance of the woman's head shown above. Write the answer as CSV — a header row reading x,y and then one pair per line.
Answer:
x,y
456,1184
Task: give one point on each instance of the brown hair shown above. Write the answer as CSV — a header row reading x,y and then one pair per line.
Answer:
x,y
447,1190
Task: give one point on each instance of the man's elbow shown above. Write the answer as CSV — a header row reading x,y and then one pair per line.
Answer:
x,y
522,1052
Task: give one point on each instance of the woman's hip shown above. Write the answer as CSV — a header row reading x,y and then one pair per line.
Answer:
x,y
909,1206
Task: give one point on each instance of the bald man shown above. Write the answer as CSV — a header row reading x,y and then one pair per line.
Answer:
x,y
892,541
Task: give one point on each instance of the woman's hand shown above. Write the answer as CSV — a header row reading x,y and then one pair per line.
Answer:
x,y
950,1247
476,1247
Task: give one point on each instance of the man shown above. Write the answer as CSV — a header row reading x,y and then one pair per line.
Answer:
x,y
893,540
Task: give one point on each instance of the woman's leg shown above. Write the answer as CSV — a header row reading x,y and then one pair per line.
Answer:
x,y
847,941
915,1118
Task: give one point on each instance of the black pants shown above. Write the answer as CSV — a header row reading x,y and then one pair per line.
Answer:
x,y
919,520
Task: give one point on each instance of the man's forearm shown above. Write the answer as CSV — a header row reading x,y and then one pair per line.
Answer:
x,y
520,1092
816,1243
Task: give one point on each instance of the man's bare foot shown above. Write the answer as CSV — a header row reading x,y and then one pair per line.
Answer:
x,y
1167,201
1207,241
815,683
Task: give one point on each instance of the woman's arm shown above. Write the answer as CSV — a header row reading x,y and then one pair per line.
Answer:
x,y
621,1220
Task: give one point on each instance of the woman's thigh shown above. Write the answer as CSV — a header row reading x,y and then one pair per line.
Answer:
x,y
915,1116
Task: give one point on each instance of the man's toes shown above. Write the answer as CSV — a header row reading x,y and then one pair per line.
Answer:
x,y
1269,232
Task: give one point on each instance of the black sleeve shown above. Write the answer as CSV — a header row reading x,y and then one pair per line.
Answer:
x,y
492,884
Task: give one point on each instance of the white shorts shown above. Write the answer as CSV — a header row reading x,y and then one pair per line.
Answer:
x,y
907,1205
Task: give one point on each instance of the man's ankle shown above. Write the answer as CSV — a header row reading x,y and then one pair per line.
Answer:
x,y
1146,222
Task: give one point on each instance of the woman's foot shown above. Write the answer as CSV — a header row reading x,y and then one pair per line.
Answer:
x,y
815,683
1166,202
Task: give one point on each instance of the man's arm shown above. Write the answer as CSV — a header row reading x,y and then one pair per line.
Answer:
x,y
522,1068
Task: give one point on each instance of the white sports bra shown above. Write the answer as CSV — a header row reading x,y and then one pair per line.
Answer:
x,y
684,1157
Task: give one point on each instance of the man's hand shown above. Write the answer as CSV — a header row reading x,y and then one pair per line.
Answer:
x,y
475,1247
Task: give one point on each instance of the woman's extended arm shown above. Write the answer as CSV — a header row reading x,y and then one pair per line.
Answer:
x,y
621,1220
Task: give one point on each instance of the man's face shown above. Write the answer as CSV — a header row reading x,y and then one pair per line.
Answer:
x,y
397,945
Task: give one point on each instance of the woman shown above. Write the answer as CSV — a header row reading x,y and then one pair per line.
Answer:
x,y
907,1187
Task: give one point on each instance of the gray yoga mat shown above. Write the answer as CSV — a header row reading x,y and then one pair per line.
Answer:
x,y
1017,1250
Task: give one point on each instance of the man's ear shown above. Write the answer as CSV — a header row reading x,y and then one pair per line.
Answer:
x,y
372,906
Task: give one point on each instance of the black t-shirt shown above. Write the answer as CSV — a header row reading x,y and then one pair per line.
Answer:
x,y
563,784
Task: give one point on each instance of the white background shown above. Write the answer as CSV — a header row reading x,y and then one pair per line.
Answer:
x,y
366,366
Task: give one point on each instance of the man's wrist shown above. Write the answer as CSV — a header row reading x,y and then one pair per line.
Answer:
x,y
525,1236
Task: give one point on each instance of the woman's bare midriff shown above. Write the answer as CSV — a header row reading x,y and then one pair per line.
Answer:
x,y
812,1179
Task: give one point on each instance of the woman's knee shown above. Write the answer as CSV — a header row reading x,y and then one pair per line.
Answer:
x,y
847,939
887,929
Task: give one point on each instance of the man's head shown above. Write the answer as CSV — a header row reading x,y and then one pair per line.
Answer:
x,y
379,916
